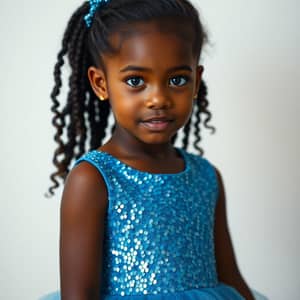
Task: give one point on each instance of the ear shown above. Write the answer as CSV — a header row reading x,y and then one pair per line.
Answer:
x,y
199,73
98,82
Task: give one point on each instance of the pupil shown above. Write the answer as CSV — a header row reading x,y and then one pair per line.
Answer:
x,y
135,81
176,80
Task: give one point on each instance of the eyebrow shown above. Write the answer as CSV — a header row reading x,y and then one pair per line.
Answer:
x,y
144,69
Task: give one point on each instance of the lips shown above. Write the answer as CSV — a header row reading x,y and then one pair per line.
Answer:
x,y
157,123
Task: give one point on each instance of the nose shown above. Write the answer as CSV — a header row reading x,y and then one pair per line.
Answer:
x,y
159,99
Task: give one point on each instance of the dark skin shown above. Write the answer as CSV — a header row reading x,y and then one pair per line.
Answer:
x,y
151,91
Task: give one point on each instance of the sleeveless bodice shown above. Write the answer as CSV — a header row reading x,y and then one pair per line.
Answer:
x,y
159,227
158,237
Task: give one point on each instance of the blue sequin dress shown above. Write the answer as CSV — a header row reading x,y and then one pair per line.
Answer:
x,y
158,239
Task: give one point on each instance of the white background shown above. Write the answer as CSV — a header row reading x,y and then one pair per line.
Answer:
x,y
253,71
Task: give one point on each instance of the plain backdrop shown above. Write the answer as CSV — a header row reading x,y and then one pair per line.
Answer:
x,y
252,68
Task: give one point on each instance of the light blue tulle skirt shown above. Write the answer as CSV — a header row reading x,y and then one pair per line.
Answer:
x,y
220,292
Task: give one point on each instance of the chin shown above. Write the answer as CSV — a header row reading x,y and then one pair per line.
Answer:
x,y
158,141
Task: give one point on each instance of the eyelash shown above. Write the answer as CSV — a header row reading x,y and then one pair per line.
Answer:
x,y
139,78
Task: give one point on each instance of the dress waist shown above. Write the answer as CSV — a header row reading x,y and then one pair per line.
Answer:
x,y
219,292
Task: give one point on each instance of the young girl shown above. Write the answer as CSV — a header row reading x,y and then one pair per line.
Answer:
x,y
140,218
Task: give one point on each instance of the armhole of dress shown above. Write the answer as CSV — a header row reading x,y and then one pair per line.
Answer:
x,y
203,162
212,171
102,173
215,178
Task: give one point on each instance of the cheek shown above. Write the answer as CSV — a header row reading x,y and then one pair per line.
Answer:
x,y
186,107
124,107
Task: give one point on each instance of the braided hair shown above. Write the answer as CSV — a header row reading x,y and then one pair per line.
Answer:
x,y
83,116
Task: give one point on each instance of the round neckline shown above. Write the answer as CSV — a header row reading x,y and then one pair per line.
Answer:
x,y
179,151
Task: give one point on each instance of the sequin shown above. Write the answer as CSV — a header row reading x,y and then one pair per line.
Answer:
x,y
159,227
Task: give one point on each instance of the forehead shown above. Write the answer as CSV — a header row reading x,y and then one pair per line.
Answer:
x,y
153,42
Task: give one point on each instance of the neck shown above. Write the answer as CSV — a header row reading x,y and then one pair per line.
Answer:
x,y
127,146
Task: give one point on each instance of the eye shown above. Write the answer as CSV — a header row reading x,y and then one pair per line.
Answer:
x,y
179,80
135,81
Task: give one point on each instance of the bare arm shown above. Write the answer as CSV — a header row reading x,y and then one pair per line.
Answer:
x,y
227,268
83,210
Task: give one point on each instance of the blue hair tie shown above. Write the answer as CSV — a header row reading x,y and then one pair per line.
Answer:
x,y
94,4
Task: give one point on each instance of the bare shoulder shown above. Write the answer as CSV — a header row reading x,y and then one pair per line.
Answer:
x,y
85,186
83,210
218,173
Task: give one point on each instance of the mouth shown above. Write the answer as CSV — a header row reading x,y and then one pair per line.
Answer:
x,y
157,123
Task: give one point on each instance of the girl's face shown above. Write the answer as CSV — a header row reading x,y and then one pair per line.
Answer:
x,y
150,83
